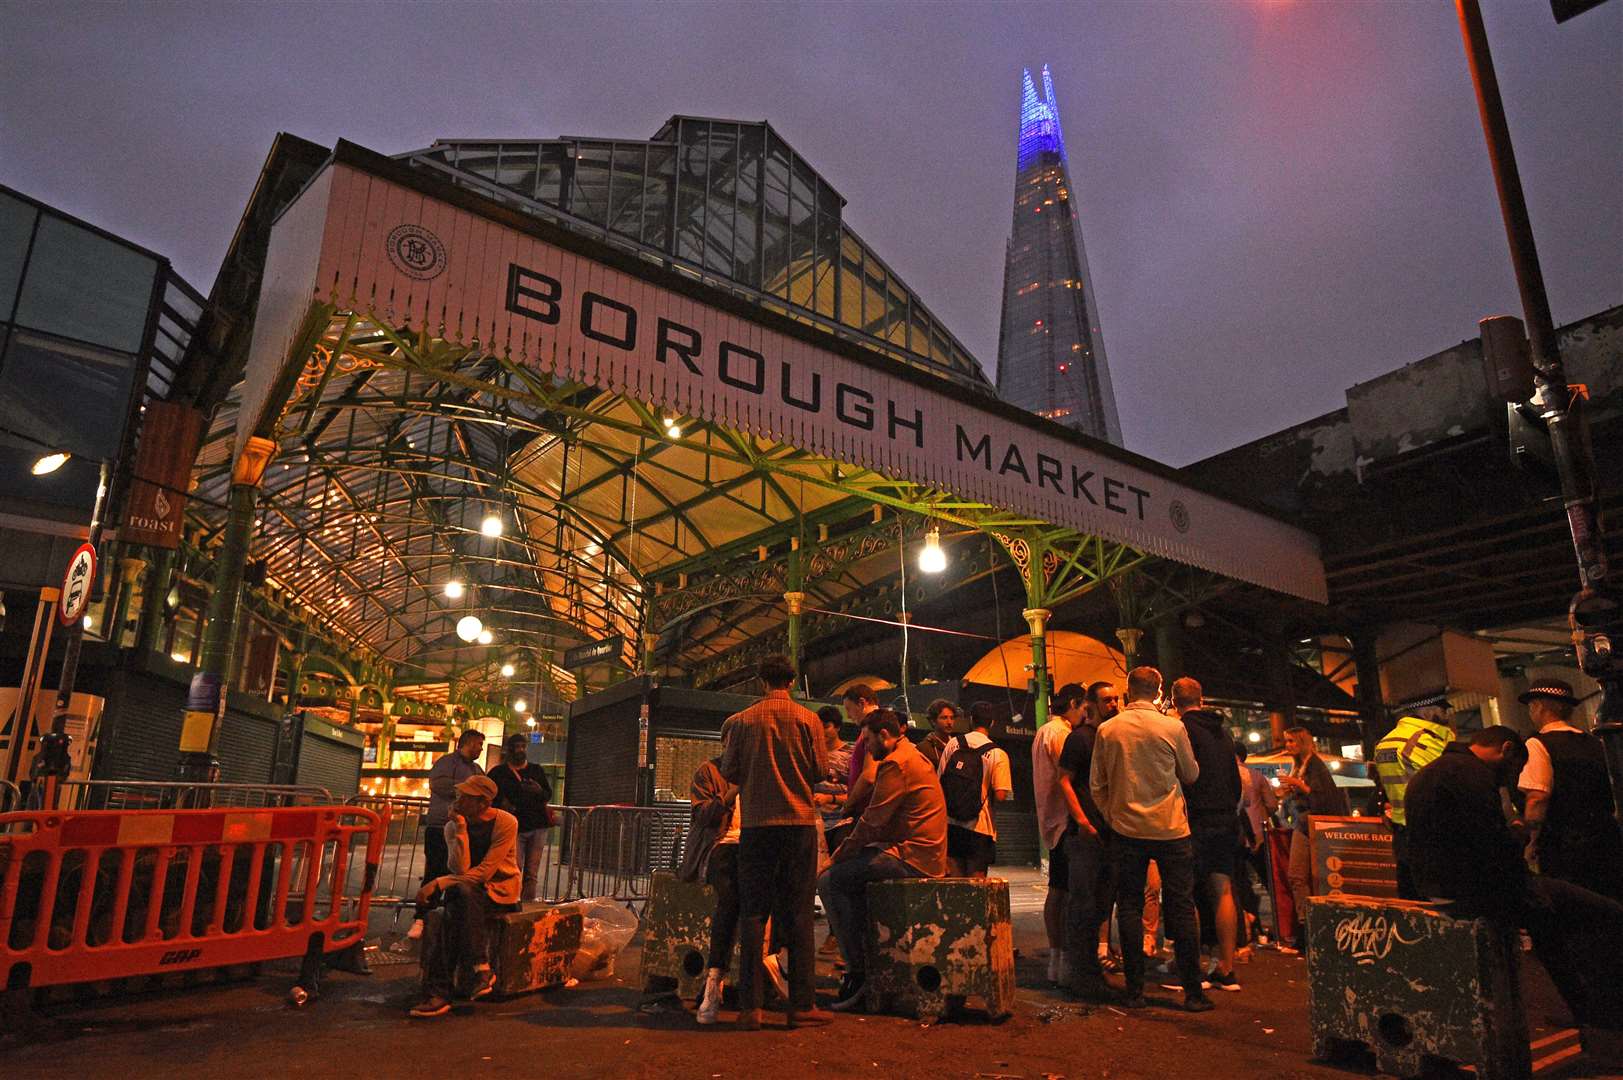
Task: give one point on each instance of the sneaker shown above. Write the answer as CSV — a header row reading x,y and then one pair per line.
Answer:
x,y
710,1001
1111,963
1197,1002
849,997
1205,984
434,1006
1287,949
484,984
774,973
416,930
1229,982
1133,999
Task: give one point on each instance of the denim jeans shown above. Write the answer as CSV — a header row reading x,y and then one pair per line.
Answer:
x,y
436,859
465,936
532,855
1176,860
1087,901
844,889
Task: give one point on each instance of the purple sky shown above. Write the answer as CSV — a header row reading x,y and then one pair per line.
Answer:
x,y
1280,199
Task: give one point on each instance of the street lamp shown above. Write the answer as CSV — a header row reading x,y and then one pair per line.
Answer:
x,y
49,463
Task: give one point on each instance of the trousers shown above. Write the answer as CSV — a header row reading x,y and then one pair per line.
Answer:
x,y
777,876
1176,860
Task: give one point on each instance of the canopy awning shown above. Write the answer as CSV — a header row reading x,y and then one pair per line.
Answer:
x,y
435,357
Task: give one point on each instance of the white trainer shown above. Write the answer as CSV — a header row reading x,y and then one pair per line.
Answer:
x,y
710,1002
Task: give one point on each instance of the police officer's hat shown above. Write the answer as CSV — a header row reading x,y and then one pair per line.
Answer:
x,y
1553,689
1439,700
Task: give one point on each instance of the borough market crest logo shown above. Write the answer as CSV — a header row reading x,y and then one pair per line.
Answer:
x,y
416,252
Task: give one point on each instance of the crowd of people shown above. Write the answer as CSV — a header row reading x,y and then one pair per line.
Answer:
x,y
1143,802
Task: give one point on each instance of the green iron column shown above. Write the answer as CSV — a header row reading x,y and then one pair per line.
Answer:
x,y
1037,619
796,601
205,701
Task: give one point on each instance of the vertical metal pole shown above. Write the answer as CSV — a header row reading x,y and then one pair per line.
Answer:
x,y
39,647
53,762
1037,619
205,702
1371,705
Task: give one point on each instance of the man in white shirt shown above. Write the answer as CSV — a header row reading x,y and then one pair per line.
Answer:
x,y
1054,815
1141,761
1570,811
972,841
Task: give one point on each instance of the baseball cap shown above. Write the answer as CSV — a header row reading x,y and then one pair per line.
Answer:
x,y
482,786
1554,689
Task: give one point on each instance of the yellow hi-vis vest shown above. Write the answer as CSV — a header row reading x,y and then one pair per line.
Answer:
x,y
1405,750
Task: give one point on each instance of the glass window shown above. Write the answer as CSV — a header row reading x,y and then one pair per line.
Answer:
x,y
589,195
691,171
16,226
63,394
873,300
549,179
517,168
896,328
481,159
86,287
777,240
850,280
747,195
656,198
625,193
719,167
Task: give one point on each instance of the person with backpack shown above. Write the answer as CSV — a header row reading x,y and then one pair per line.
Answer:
x,y
975,776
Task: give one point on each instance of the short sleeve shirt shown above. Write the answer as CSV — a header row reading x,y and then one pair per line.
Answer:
x,y
995,777
1538,774
1052,815
1077,760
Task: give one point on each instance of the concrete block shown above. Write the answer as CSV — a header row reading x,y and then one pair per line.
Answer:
x,y
931,939
676,934
530,949
1415,986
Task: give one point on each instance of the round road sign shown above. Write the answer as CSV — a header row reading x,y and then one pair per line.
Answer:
x,y
77,584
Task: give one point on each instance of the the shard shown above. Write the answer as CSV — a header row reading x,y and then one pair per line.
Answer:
x,y
1051,355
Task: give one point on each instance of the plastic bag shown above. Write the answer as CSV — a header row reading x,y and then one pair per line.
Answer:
x,y
607,927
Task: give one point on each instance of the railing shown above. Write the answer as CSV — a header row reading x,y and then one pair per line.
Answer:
x,y
10,797
171,794
589,851
92,895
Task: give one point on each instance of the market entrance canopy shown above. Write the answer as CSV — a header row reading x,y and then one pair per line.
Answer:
x,y
369,236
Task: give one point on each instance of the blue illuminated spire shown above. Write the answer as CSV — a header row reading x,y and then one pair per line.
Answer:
x,y
1039,119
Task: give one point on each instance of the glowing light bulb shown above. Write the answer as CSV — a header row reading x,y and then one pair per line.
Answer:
x,y
932,560
520,705
491,526
531,721
468,628
454,589
507,671
48,464
1254,736
486,637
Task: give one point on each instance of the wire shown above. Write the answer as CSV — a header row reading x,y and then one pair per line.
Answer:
x,y
894,622
901,550
997,614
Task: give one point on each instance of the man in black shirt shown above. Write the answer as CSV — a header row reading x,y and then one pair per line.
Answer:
x,y
1462,850
523,791
1213,799
1090,880
1570,813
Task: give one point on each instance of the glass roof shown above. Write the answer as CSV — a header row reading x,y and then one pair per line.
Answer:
x,y
729,202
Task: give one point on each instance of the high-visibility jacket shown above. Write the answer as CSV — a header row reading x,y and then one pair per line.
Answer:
x,y
1405,750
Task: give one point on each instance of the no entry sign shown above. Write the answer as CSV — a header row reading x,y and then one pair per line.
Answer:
x,y
77,584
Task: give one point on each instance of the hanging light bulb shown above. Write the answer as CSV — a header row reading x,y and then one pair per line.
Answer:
x,y
491,526
507,671
486,637
520,705
454,589
468,628
932,560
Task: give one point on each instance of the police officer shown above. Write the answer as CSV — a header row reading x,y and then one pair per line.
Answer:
x,y
1571,818
1416,741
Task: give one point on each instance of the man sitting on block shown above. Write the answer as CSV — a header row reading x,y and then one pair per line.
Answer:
x,y
482,845
902,834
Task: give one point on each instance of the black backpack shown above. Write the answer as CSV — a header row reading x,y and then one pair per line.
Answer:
x,y
963,781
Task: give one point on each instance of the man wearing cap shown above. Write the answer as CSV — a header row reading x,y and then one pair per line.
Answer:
x,y
1571,817
1417,740
447,773
484,880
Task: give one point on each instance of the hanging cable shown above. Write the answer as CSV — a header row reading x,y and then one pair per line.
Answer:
x,y
997,614
901,549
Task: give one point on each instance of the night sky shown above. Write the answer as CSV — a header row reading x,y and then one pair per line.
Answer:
x,y
1279,199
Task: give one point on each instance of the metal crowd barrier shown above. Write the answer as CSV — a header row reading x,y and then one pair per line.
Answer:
x,y
93,895
590,851
171,794
10,797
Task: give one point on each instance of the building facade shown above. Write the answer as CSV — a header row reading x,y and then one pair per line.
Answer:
x,y
1051,355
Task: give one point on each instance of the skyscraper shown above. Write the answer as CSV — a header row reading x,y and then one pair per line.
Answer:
x,y
1051,356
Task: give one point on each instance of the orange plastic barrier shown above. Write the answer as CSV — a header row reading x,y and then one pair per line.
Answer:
x,y
105,894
